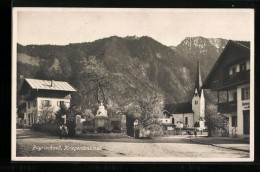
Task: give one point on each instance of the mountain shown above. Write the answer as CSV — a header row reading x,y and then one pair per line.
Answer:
x,y
204,49
132,66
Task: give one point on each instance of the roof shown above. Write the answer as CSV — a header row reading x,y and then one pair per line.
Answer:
x,y
198,82
176,108
46,85
244,44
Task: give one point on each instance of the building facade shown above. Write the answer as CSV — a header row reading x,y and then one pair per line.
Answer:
x,y
231,75
43,96
186,114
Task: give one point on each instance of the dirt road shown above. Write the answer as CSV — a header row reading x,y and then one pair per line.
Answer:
x,y
36,144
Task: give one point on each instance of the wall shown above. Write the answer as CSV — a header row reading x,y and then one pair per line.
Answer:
x,y
32,110
181,117
35,110
230,128
198,109
230,94
240,109
202,104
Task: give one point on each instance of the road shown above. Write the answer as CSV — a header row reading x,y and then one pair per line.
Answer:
x,y
37,144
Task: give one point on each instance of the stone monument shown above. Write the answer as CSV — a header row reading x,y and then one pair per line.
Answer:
x,y
101,111
101,118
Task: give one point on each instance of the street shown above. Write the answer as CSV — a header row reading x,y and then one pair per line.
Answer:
x,y
36,144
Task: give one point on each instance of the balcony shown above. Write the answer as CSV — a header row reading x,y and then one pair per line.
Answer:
x,y
227,107
237,78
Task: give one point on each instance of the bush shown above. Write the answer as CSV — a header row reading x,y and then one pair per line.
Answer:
x,y
53,129
116,129
155,130
102,130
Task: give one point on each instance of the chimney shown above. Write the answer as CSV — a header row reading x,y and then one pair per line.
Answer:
x,y
52,83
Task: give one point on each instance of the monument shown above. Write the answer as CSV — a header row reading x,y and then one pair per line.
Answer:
x,y
102,112
101,118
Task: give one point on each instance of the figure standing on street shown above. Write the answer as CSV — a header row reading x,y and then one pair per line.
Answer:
x,y
65,131
61,131
195,133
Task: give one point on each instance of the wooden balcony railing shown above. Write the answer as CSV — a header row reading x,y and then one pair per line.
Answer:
x,y
227,107
237,77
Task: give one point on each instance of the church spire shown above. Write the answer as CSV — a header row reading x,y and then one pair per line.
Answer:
x,y
198,82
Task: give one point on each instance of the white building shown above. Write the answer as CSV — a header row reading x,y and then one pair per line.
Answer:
x,y
231,75
43,95
186,114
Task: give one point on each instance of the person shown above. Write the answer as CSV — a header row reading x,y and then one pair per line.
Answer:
x,y
195,133
65,131
61,131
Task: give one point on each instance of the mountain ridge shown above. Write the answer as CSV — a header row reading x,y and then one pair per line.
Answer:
x,y
135,66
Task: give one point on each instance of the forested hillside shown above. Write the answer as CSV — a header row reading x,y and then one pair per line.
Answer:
x,y
129,68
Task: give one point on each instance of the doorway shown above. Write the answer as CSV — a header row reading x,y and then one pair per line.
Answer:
x,y
246,121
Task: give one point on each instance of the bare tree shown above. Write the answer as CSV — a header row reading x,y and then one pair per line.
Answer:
x,y
95,76
147,109
46,114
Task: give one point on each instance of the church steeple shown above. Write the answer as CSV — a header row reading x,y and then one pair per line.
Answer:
x,y
198,82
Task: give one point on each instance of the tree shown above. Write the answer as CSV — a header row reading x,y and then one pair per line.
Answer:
x,y
60,113
95,77
147,110
71,118
46,114
213,120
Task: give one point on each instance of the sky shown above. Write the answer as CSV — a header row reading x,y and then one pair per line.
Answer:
x,y
61,26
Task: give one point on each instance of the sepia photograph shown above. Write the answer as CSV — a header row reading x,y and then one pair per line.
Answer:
x,y
132,84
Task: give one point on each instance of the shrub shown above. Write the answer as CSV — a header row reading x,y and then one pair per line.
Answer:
x,y
52,129
155,130
102,130
116,129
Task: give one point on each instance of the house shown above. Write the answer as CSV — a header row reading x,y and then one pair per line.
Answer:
x,y
186,114
231,75
41,96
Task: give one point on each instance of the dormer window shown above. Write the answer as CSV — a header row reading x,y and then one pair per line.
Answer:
x,y
233,69
242,66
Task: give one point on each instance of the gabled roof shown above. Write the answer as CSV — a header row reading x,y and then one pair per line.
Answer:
x,y
46,85
177,108
243,44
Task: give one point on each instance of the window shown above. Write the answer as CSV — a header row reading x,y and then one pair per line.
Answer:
x,y
46,103
242,66
62,103
29,104
186,120
34,103
196,102
245,93
234,121
196,94
172,120
234,70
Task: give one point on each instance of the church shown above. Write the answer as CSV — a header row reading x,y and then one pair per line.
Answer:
x,y
187,114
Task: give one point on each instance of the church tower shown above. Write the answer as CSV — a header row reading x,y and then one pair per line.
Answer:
x,y
198,100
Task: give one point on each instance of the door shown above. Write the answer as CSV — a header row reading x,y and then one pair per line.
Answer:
x,y
29,119
246,121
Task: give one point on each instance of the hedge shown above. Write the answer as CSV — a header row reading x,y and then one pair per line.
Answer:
x,y
53,129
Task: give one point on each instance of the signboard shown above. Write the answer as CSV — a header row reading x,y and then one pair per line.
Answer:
x,y
245,105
